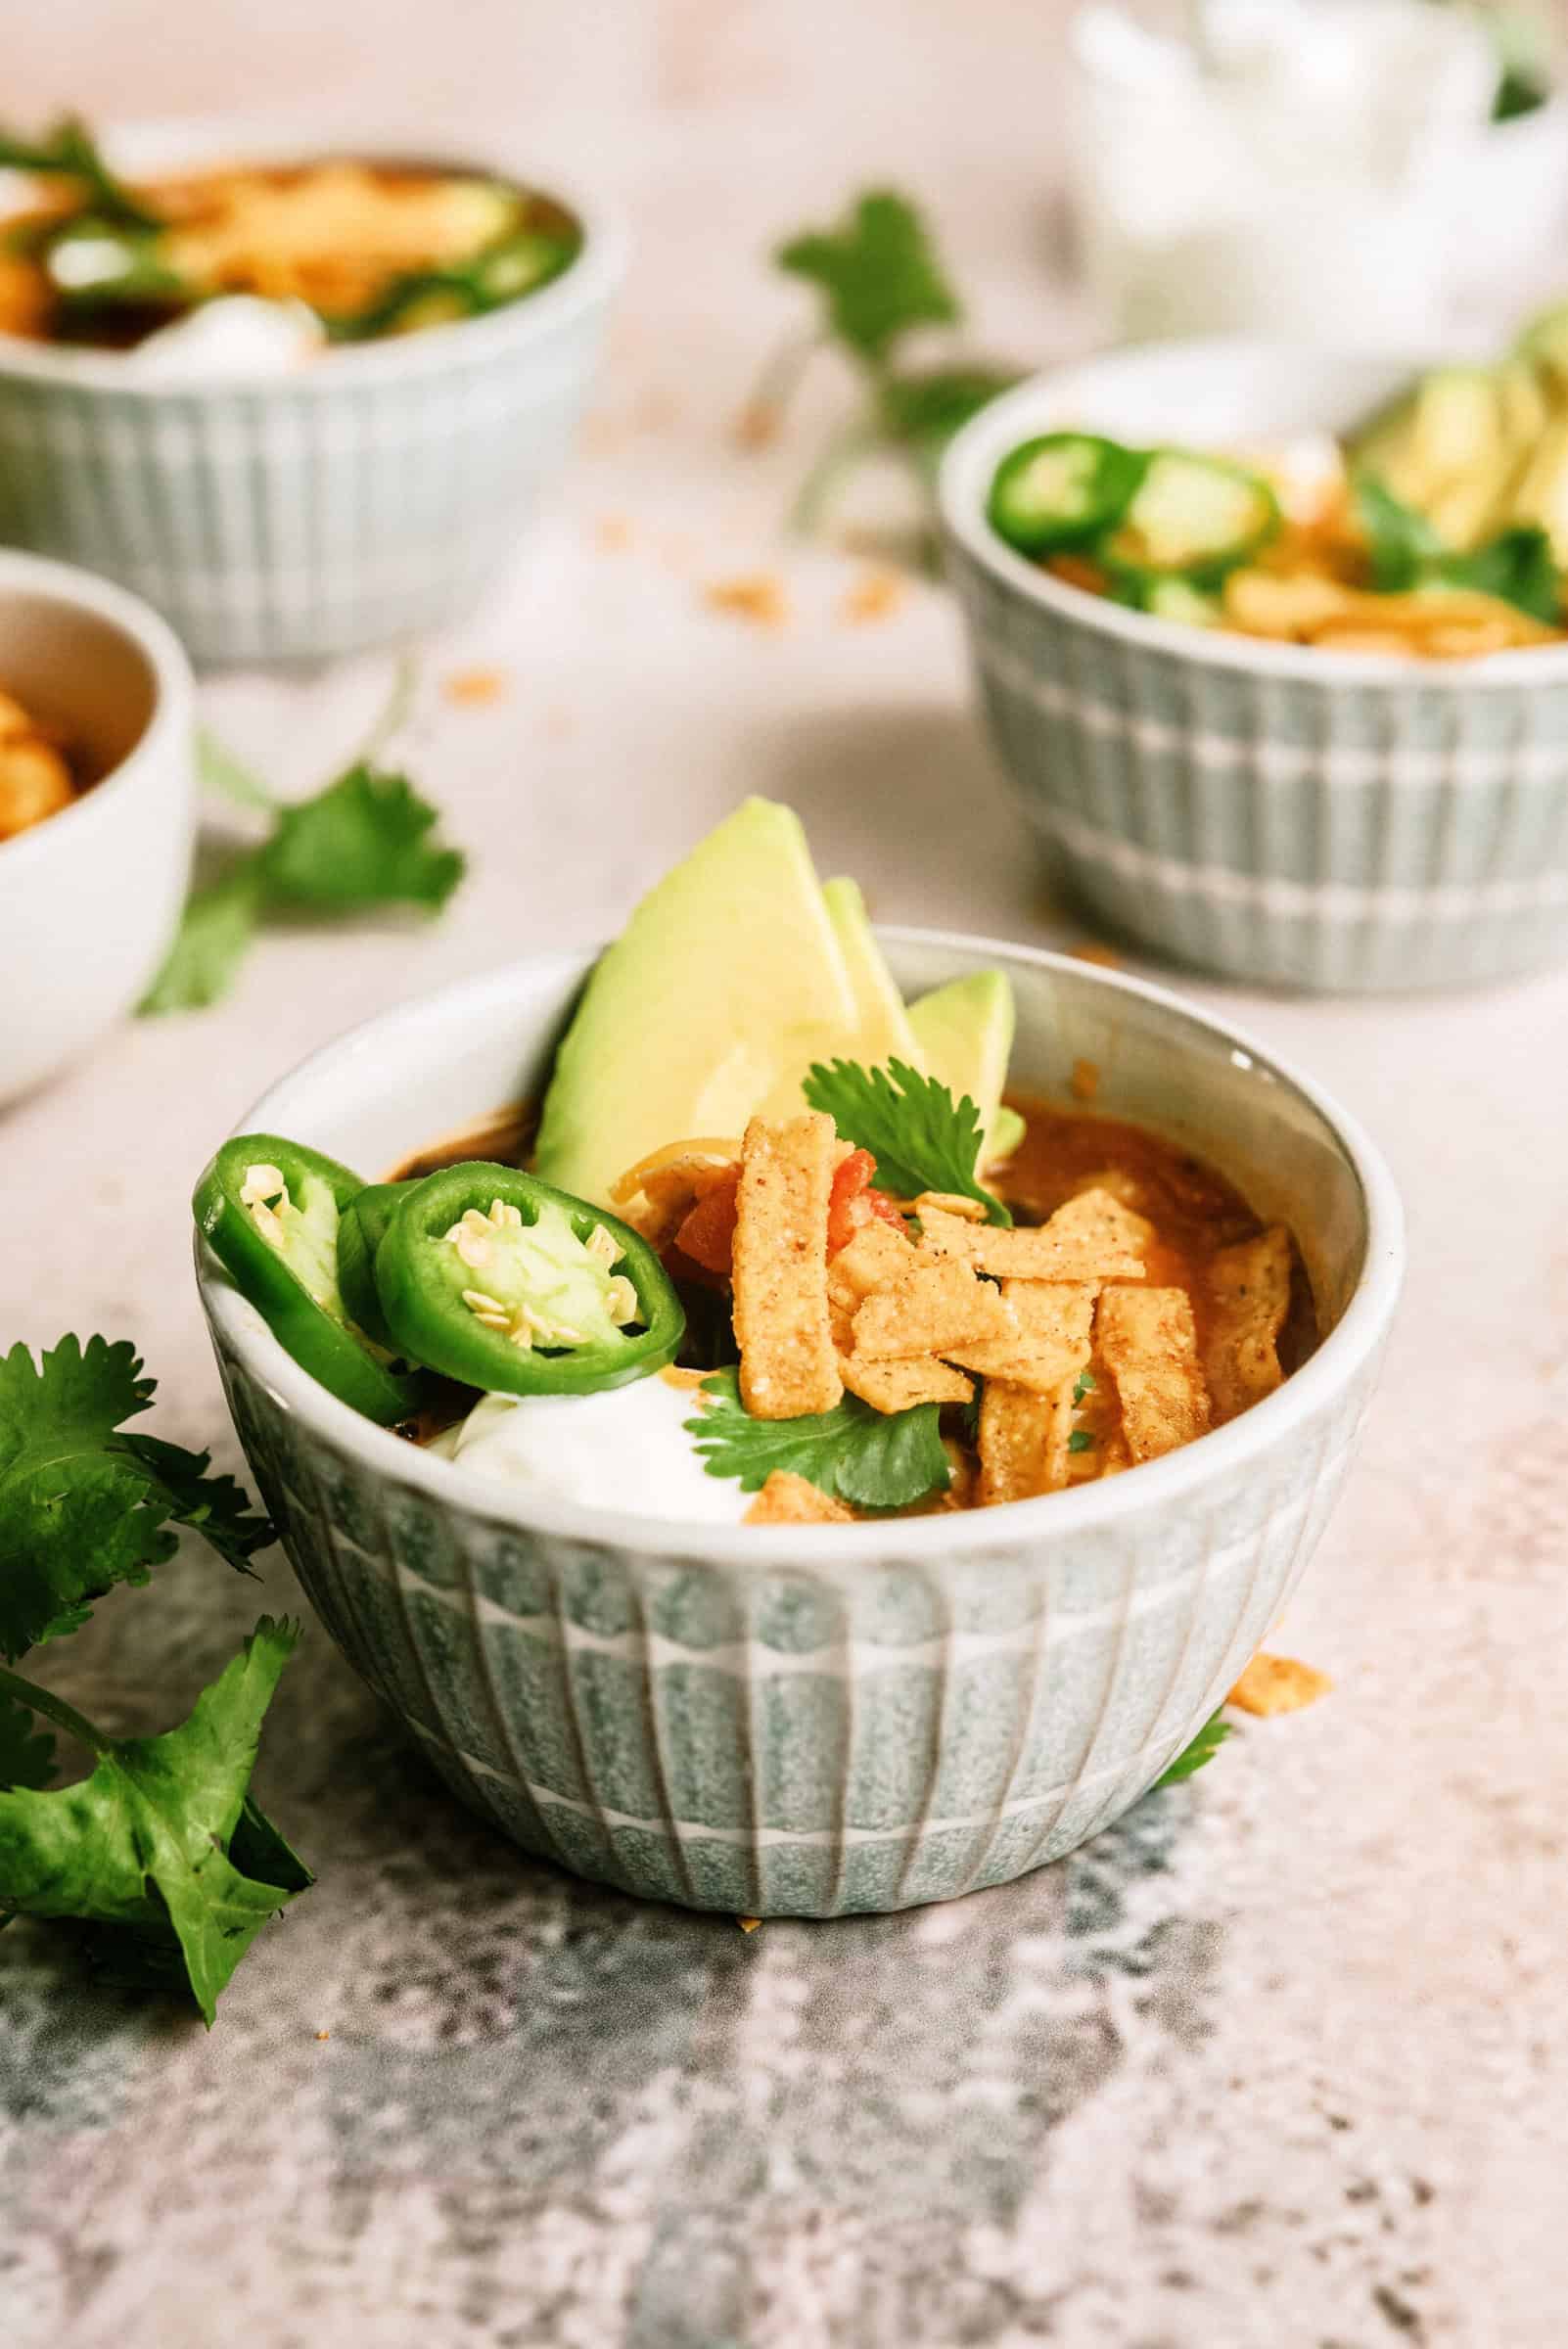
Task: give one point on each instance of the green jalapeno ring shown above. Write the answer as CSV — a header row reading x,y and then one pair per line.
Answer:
x,y
1063,490
433,1297
307,1321
362,1229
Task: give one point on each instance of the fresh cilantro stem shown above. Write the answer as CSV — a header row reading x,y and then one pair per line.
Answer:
x,y
833,469
50,1707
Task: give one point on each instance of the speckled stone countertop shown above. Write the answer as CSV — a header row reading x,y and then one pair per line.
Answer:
x,y
1283,2057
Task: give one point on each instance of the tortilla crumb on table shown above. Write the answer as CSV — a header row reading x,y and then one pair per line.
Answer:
x,y
761,599
877,595
749,1924
759,424
474,688
1277,1684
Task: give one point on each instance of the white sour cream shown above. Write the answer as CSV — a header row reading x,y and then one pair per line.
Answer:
x,y
237,335
624,1449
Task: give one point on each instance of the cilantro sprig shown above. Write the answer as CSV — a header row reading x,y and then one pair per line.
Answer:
x,y
879,279
870,1459
1203,1749
84,1505
920,1137
69,152
363,842
1407,552
161,1850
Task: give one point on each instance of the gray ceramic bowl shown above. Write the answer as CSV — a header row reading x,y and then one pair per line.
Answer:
x,y
810,1721
1272,812
369,494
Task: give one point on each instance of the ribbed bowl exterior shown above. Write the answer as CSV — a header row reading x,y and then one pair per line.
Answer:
x,y
792,1739
1281,829
298,519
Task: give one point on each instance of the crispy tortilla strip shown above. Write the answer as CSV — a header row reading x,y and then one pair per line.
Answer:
x,y
1055,1319
875,1256
1023,1441
936,1305
788,1363
1249,1288
897,1386
1277,1684
790,1500
663,1196
1149,1345
1092,1237
949,1203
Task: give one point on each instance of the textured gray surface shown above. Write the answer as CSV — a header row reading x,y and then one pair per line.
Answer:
x,y
1283,2059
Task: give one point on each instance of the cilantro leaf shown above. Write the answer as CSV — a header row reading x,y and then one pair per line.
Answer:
x,y
919,1138
85,1506
1400,541
1518,566
1204,1747
222,770
149,1840
878,271
361,842
211,943
27,1752
925,410
69,150
871,1459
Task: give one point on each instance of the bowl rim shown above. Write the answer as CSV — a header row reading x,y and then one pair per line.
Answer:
x,y
591,277
1155,1485
1003,423
170,723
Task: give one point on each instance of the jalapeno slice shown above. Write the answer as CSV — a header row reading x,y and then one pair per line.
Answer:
x,y
1198,516
362,1229
506,1284
1062,491
270,1210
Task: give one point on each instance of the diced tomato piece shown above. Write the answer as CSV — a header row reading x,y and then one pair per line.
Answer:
x,y
708,1235
854,1203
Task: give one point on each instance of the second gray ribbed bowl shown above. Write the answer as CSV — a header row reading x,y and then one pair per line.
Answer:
x,y
1275,813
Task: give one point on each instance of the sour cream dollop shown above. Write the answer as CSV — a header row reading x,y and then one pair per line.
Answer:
x,y
624,1450
237,335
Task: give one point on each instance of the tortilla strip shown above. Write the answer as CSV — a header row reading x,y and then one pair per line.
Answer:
x,y
937,1304
1249,1287
666,1198
1277,1684
790,1500
788,1363
1148,1343
1092,1237
1023,1441
898,1384
876,1255
1054,1319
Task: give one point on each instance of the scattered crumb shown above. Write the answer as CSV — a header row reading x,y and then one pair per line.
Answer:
x,y
1092,951
474,687
1277,1684
612,534
323,2035
874,596
761,599
748,1924
1085,1081
759,424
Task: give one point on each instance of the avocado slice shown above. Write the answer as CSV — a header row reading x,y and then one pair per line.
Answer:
x,y
1545,342
965,1030
883,1028
1446,449
728,981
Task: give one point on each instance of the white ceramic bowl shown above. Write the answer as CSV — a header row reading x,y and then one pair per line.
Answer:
x,y
1275,812
810,1720
90,898
371,493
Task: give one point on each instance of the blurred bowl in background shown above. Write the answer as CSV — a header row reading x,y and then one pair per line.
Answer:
x,y
371,492
1279,813
90,898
